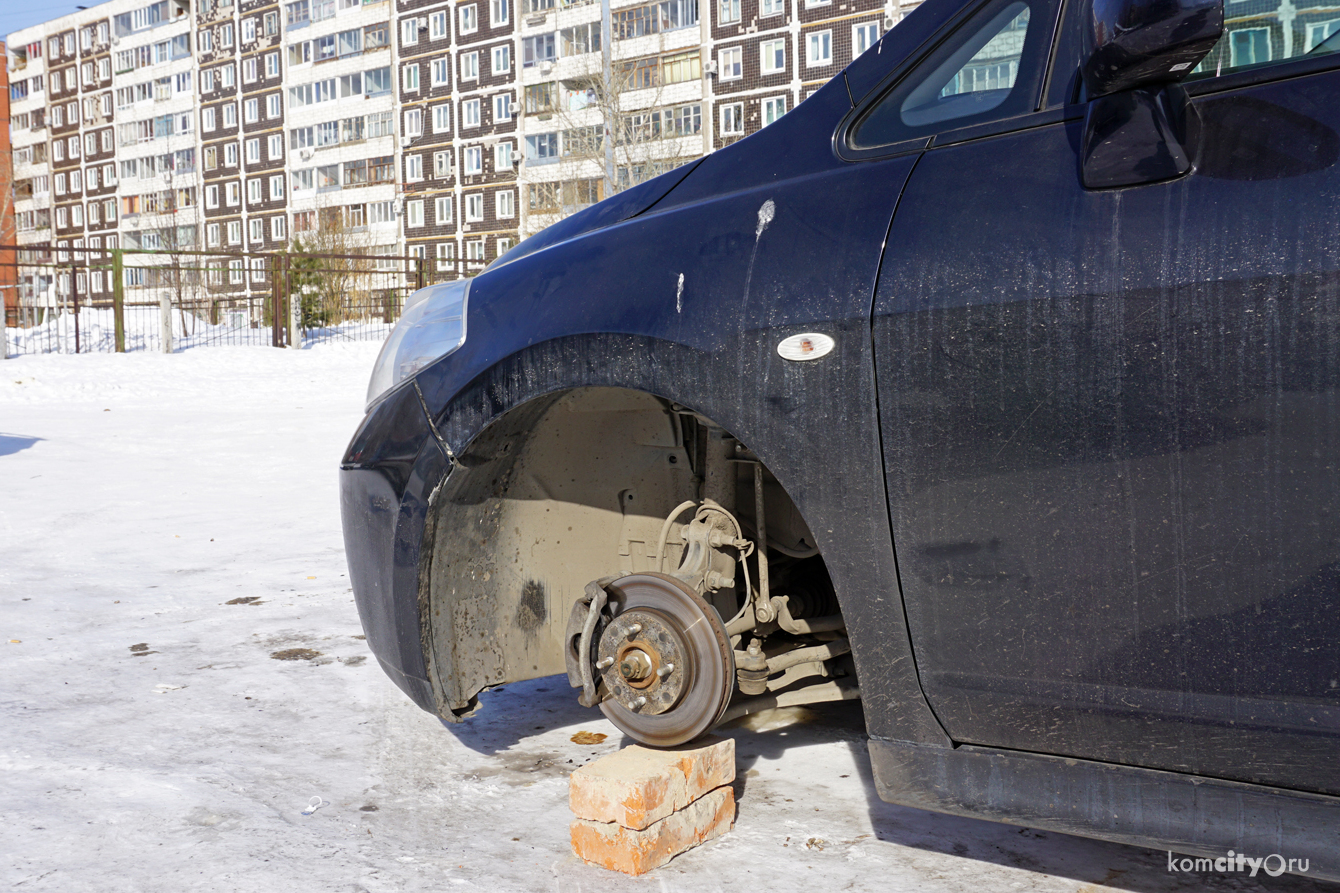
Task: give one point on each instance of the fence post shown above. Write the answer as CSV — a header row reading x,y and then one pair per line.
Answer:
x,y
418,271
295,311
74,299
276,302
118,303
165,320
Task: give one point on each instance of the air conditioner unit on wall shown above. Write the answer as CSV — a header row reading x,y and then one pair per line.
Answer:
x,y
711,67
404,142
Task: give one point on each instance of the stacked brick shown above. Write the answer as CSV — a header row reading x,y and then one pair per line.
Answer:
x,y
639,808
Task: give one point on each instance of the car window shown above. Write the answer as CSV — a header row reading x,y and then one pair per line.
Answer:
x,y
988,69
1264,32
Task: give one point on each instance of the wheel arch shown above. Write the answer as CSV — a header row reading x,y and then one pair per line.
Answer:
x,y
824,455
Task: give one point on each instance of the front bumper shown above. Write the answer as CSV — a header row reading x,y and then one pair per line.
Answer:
x,y
387,476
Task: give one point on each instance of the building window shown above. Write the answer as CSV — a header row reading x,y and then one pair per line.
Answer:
x,y
772,56
731,63
505,204
232,194
502,59
414,213
472,160
278,229
276,187
732,119
230,155
441,165
500,12
437,25
446,255
442,118
442,210
235,238
257,229
474,207
254,190
410,75
212,235
211,196
413,168
470,113
728,11
249,70
274,106
863,37
820,48
474,251
441,72
253,151
414,122
773,109
538,49
470,66
251,111
502,107
502,156
469,19
230,114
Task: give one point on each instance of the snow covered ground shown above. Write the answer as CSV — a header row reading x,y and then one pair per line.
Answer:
x,y
150,741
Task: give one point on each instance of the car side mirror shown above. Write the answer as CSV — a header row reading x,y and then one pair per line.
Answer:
x,y
1140,126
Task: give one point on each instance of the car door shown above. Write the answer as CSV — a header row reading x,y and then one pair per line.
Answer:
x,y
1110,423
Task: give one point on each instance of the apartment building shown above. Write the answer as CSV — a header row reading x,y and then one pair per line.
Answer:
x,y
8,274
445,129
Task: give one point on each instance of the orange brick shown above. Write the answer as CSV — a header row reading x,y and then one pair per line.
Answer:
x,y
636,786
611,845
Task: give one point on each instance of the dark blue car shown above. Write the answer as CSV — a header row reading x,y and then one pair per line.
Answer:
x,y
997,385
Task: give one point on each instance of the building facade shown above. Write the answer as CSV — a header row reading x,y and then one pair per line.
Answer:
x,y
445,129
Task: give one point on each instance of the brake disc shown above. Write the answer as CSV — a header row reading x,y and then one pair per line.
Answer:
x,y
665,659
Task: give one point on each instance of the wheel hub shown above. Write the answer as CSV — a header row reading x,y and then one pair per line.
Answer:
x,y
647,674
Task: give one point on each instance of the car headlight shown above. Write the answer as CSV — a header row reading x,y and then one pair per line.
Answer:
x,y
431,326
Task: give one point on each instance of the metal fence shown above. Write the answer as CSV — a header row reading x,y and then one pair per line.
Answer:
x,y
80,300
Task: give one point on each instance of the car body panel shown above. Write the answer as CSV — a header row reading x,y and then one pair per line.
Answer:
x,y
1110,421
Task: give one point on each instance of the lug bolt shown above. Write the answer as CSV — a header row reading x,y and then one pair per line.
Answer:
x,y
639,703
604,662
665,670
634,630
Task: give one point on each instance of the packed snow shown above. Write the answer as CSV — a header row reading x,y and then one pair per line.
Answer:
x,y
170,531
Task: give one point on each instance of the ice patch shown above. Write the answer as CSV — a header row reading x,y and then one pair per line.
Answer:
x,y
679,295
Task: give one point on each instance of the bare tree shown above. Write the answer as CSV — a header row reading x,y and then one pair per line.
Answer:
x,y
8,236
330,262
613,126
